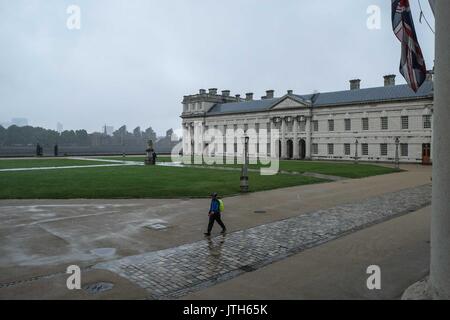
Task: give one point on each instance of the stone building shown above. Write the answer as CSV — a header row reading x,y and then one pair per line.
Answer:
x,y
372,124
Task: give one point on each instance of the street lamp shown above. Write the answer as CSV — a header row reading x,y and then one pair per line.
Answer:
x,y
244,171
397,158
356,151
192,151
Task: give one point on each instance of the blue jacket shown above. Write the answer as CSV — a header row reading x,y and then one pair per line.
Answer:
x,y
214,206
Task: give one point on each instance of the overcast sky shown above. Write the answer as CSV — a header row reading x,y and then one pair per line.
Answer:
x,y
133,60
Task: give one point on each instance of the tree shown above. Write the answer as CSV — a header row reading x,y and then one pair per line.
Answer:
x,y
2,135
82,137
137,133
150,134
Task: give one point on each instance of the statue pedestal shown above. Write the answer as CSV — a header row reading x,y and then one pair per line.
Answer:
x,y
150,160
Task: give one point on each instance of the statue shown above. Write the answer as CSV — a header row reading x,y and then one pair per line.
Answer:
x,y
150,160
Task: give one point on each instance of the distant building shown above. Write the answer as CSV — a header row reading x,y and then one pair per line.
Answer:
x,y
20,122
355,123
59,127
108,130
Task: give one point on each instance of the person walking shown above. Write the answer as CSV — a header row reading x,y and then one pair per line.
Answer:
x,y
215,214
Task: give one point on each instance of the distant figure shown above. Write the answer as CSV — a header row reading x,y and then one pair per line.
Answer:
x,y
39,151
215,214
150,159
55,150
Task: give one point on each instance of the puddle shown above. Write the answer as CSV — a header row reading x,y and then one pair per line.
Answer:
x,y
104,252
98,287
156,226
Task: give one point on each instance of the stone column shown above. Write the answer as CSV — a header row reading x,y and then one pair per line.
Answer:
x,y
440,220
272,146
221,151
308,138
283,139
296,142
186,140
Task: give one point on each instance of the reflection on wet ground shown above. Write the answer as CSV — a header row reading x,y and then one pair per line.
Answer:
x,y
177,271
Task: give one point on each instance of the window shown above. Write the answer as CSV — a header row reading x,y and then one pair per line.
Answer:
x,y
347,149
348,124
315,125
365,149
257,127
330,148
384,149
290,126
427,122
315,148
302,126
404,149
268,149
365,123
330,125
384,123
405,122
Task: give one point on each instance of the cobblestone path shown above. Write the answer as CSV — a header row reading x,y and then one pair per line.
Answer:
x,y
174,272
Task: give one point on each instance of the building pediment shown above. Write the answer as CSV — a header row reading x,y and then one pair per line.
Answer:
x,y
290,102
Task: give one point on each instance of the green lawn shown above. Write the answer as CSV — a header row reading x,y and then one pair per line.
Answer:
x,y
39,163
347,170
135,182
340,169
136,158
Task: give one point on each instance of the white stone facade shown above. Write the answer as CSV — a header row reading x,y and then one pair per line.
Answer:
x,y
315,132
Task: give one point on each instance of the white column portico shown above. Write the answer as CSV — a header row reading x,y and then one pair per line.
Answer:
x,y
296,139
308,138
283,139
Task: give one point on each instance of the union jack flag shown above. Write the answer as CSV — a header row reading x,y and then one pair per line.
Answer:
x,y
412,64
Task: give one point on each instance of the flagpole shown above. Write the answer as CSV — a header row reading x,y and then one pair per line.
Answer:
x,y
440,220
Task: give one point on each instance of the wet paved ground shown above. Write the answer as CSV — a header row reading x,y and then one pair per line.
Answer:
x,y
177,271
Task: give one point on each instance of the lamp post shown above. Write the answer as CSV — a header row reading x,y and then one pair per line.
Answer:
x,y
192,151
397,159
244,171
356,151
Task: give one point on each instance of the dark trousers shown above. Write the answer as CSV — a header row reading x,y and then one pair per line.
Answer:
x,y
215,217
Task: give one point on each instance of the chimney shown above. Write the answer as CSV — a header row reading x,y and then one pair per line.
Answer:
x,y
270,94
289,92
249,96
389,80
238,97
355,84
213,91
226,93
202,91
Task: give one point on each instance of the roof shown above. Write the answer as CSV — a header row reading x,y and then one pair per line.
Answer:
x,y
244,106
369,95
